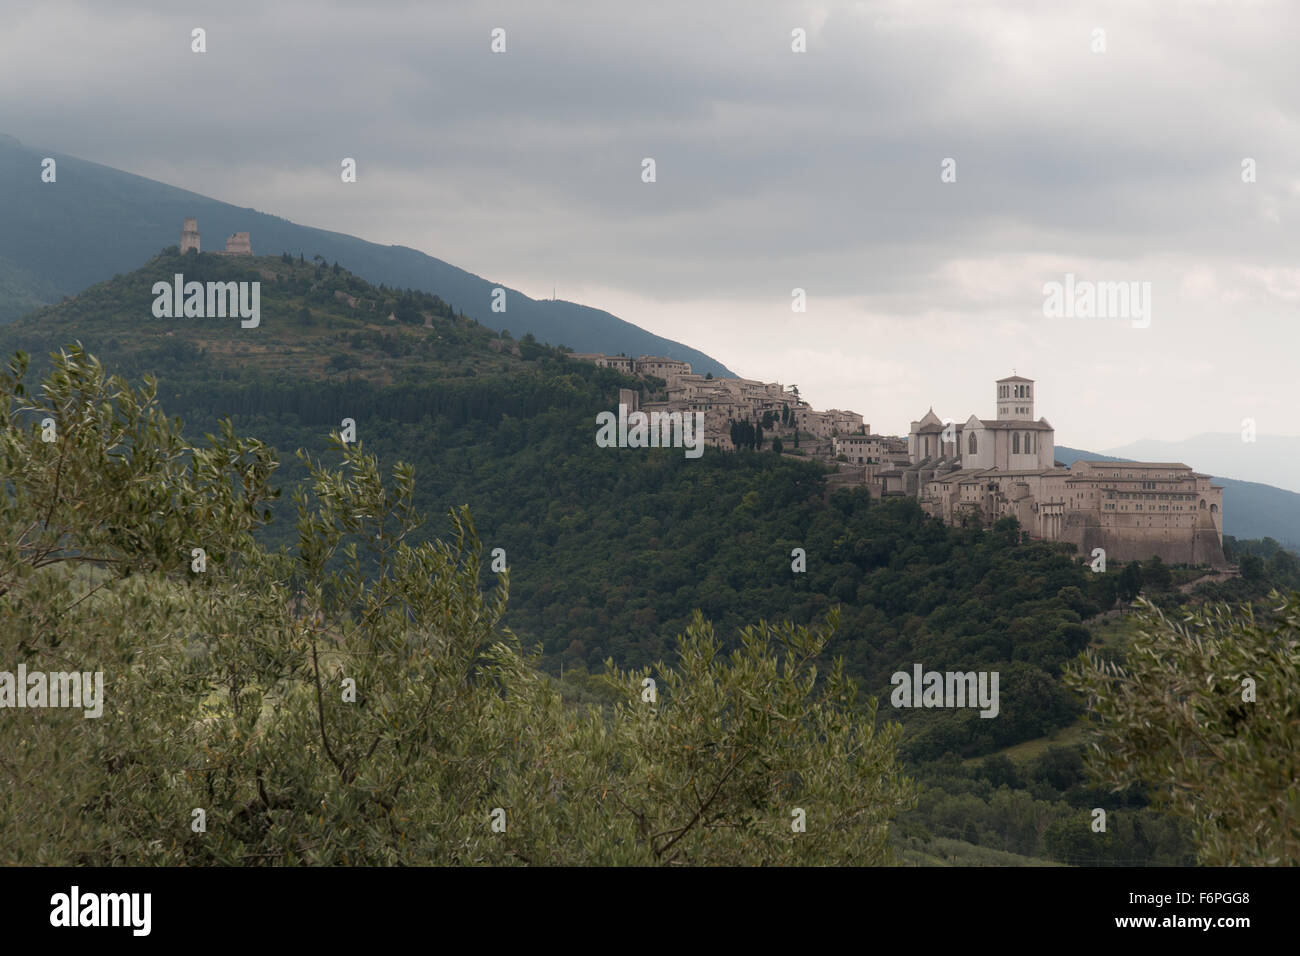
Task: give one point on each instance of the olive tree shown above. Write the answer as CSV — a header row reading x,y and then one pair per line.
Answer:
x,y
1206,711
355,699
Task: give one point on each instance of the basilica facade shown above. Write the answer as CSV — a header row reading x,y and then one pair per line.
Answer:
x,y
986,469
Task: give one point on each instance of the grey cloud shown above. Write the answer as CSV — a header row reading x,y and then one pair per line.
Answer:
x,y
774,169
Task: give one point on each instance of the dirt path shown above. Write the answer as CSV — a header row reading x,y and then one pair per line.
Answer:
x,y
1214,578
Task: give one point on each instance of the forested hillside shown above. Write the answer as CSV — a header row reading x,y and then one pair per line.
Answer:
x,y
58,238
611,551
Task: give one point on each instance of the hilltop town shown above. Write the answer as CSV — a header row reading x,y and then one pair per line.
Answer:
x,y
978,470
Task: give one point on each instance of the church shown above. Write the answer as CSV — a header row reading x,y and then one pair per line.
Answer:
x,y
986,469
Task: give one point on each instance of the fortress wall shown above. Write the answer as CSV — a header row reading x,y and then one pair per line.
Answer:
x,y
1125,540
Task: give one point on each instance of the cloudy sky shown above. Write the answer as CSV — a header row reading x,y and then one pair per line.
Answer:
x,y
775,170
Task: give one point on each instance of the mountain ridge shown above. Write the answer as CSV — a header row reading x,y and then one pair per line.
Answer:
x,y
96,221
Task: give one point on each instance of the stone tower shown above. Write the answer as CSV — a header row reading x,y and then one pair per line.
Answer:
x,y
1015,399
190,236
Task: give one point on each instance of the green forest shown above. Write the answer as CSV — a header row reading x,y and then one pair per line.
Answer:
x,y
622,564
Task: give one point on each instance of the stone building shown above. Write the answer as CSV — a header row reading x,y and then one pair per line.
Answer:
x,y
668,369
622,363
815,423
237,245
846,423
1134,509
986,469
190,235
861,449
722,400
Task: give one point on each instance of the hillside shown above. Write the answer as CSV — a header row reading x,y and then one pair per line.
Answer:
x,y
611,551
94,221
313,324
1250,509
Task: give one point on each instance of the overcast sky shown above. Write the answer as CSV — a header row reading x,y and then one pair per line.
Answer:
x,y
775,170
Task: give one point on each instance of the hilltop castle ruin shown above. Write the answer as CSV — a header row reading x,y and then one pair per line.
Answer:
x,y
236,245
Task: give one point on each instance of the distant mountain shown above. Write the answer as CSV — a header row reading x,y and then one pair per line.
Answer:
x,y
94,222
1272,459
1250,509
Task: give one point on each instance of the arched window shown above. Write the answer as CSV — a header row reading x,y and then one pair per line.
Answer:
x,y
1028,445
971,443
1202,504
1015,443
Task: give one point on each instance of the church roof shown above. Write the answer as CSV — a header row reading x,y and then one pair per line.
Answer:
x,y
1136,464
1015,378
930,418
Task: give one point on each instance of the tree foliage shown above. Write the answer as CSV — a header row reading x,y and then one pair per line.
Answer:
x,y
1206,711
95,474
355,699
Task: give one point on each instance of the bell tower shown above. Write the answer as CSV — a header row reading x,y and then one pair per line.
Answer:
x,y
1015,399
